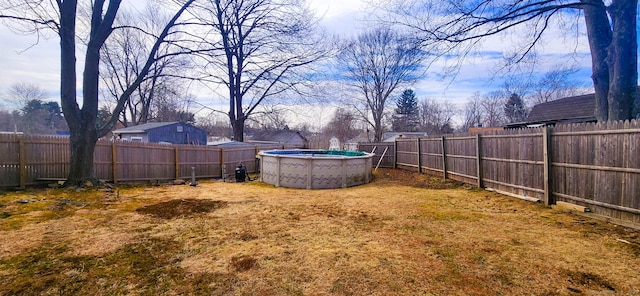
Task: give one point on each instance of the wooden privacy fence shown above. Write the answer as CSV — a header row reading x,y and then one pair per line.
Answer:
x,y
384,153
593,165
29,160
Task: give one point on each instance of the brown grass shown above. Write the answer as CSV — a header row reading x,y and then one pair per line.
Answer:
x,y
402,234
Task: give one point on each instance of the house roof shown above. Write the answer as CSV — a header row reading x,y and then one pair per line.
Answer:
x,y
142,128
392,136
279,136
578,108
230,144
365,137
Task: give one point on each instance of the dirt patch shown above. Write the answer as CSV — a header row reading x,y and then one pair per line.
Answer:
x,y
394,236
414,179
66,203
181,208
589,280
243,263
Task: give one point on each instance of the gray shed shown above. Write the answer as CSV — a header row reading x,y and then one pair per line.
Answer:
x,y
163,132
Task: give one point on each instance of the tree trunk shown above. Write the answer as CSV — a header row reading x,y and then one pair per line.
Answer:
x,y
623,60
84,131
83,143
238,129
378,133
377,125
599,35
82,146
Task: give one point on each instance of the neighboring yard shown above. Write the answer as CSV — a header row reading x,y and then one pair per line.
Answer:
x,y
402,234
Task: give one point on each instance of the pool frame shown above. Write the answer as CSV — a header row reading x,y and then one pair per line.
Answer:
x,y
302,168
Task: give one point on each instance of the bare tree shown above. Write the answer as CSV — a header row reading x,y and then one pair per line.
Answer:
x,y
611,32
259,49
9,121
215,126
472,113
269,117
492,105
377,63
175,107
436,117
123,58
342,125
555,84
21,93
65,18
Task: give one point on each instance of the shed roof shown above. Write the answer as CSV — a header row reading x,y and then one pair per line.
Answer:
x,y
578,108
279,136
231,144
142,128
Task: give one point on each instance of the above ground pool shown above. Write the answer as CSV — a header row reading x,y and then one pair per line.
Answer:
x,y
315,169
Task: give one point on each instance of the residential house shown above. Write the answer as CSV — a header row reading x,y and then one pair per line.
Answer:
x,y
567,110
231,144
367,137
163,132
393,136
286,137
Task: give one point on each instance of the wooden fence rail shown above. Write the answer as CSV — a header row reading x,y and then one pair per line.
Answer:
x,y
387,160
593,165
30,160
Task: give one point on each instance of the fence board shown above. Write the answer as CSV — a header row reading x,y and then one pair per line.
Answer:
x,y
47,158
388,160
9,160
42,159
206,161
245,156
595,165
599,167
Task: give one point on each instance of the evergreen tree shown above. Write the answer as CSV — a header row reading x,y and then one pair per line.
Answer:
x,y
406,117
514,109
40,117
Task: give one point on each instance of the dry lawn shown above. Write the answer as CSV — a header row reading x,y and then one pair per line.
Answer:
x,y
403,234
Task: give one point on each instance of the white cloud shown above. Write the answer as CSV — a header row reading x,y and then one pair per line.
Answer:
x,y
40,63
333,8
25,61
340,17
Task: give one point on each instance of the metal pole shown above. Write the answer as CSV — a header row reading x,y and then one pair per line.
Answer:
x,y
193,177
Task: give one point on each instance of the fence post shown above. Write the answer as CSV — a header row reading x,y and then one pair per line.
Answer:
x,y
222,165
395,154
444,158
23,164
546,148
177,157
114,162
479,159
419,156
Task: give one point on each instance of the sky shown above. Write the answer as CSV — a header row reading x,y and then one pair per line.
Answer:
x,y
26,59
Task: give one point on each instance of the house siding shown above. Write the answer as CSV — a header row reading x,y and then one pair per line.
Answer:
x,y
170,134
174,133
130,137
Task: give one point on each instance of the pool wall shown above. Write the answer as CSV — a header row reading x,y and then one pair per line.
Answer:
x,y
304,169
